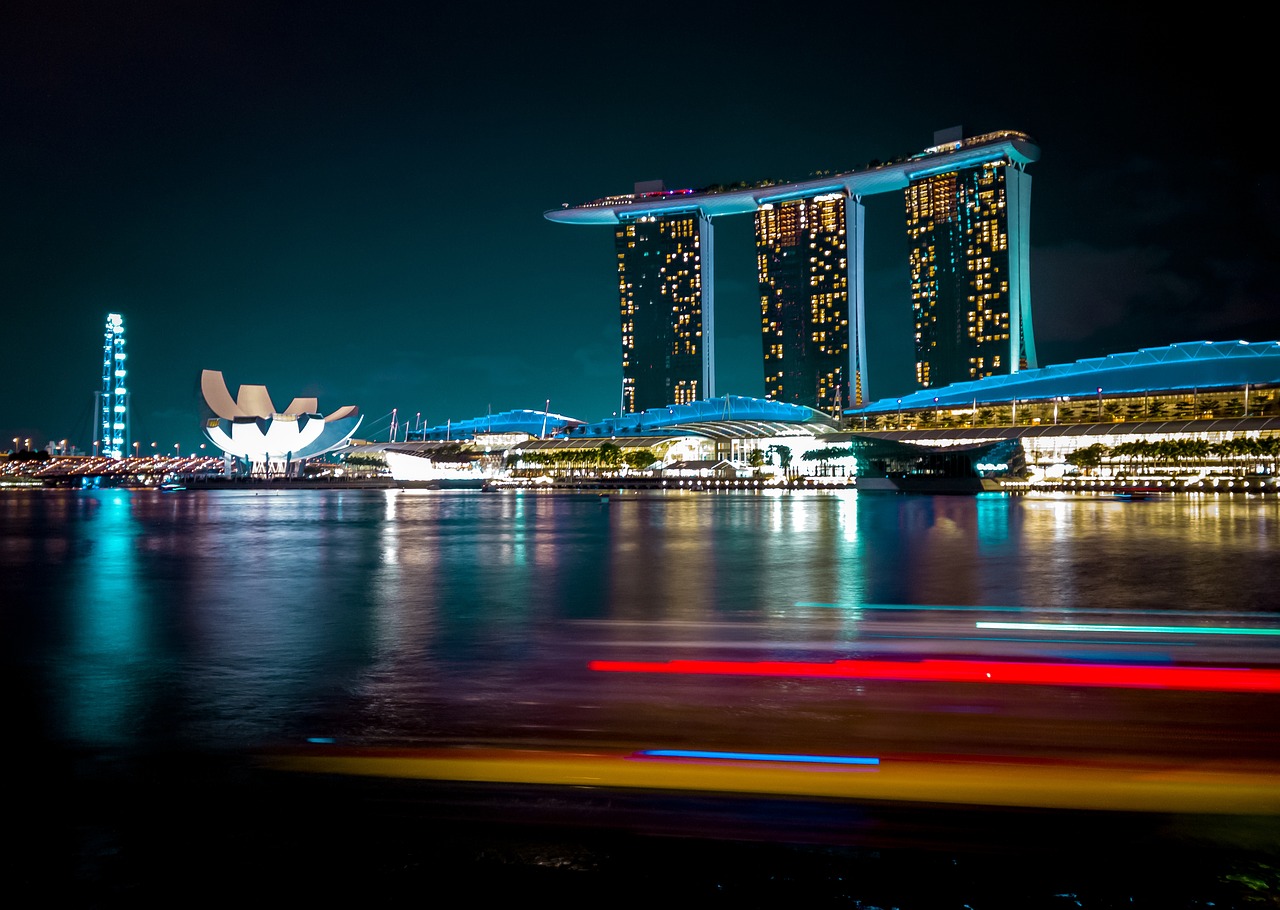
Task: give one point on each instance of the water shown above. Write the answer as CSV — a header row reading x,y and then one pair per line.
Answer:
x,y
140,626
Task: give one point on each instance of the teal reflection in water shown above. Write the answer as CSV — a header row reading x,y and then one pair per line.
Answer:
x,y
231,617
108,650
993,520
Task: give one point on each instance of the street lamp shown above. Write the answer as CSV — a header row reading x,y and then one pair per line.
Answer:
x,y
135,448
937,416
899,413
1099,404
176,453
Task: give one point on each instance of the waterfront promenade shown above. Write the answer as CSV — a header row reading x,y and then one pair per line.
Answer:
x,y
623,485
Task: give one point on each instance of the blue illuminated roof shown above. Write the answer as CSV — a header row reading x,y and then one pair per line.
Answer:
x,y
1189,365
732,415
533,423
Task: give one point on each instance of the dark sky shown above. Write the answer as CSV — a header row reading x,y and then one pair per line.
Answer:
x,y
346,199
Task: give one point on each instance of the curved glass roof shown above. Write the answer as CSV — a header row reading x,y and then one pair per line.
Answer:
x,y
1189,365
732,416
534,423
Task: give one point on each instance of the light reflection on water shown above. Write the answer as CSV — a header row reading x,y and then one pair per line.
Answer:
x,y
235,617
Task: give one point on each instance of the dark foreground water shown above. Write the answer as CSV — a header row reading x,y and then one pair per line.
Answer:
x,y
157,644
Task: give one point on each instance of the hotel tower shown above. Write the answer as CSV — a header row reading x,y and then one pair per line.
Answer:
x,y
967,206
662,291
967,250
803,265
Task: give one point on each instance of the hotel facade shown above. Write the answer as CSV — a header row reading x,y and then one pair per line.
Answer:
x,y
967,205
661,293
803,266
970,293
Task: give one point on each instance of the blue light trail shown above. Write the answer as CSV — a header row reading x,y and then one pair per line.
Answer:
x,y
761,756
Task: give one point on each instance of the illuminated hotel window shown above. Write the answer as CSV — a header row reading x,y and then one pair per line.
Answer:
x,y
964,213
802,289
661,307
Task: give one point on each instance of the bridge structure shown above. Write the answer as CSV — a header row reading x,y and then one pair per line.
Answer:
x,y
1010,151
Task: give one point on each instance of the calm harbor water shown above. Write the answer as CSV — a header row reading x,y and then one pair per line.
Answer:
x,y
140,624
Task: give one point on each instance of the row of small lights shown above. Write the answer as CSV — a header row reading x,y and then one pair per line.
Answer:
x,y
1213,484
63,445
699,482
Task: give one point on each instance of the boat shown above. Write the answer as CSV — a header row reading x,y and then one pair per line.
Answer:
x,y
924,483
172,486
1130,493
428,470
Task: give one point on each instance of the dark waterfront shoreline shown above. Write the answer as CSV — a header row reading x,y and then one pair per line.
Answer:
x,y
139,830
1126,487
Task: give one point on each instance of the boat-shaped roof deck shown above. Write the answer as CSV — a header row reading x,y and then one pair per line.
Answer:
x,y
1013,147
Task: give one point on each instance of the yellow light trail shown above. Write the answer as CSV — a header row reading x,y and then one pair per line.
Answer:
x,y
1214,787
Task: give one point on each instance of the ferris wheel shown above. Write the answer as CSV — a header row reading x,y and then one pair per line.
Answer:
x,y
113,401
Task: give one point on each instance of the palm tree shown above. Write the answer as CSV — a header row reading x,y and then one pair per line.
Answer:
x,y
1088,457
609,455
639,459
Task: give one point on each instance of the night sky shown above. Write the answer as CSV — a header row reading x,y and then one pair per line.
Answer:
x,y
346,200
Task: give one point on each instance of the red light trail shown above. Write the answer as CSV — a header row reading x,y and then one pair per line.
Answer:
x,y
1194,678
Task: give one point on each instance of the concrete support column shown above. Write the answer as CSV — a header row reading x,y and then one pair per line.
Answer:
x,y
855,231
1022,344
706,244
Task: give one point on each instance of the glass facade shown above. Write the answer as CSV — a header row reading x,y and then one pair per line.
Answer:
x,y
803,270
661,304
971,312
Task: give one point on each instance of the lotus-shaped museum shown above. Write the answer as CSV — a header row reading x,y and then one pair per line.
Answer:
x,y
249,426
